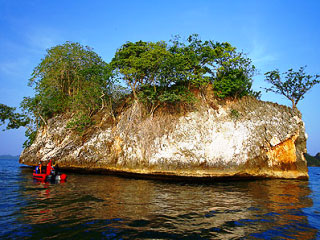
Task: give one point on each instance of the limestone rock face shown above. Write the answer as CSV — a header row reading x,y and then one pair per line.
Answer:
x,y
242,138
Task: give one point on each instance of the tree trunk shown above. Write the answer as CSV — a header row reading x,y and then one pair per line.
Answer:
x,y
134,93
293,104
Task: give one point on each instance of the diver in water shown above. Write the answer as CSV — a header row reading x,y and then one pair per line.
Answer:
x,y
37,169
56,168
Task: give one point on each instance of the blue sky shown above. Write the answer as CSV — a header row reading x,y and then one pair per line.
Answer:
x,y
275,34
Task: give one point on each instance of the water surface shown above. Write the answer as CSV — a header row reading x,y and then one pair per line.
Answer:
x,y
111,207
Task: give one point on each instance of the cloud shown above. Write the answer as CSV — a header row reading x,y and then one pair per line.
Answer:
x,y
14,68
41,39
260,55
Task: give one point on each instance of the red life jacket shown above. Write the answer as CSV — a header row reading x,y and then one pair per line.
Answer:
x,y
49,168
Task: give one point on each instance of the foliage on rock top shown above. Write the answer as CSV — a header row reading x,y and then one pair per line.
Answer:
x,y
16,120
295,85
165,72
73,78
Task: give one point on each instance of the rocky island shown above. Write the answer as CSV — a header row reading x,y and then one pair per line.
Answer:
x,y
244,138
179,109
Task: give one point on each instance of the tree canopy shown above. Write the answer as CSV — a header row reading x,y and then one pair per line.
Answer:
x,y
139,63
15,120
73,78
295,85
165,72
65,69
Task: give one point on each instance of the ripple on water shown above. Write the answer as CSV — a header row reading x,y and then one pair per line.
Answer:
x,y
109,207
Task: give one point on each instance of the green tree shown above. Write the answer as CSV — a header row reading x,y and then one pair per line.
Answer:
x,y
15,120
295,85
138,63
62,68
71,77
165,73
199,63
233,72
187,63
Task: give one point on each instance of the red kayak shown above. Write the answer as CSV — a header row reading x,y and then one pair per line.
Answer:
x,y
48,173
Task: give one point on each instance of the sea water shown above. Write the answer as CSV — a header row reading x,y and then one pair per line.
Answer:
x,y
111,207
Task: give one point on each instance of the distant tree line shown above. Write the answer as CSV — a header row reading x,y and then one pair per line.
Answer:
x,y
313,161
73,78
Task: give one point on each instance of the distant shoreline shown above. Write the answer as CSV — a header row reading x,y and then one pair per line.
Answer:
x,y
313,161
7,157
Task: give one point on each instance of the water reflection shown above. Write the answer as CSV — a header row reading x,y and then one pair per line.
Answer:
x,y
114,207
